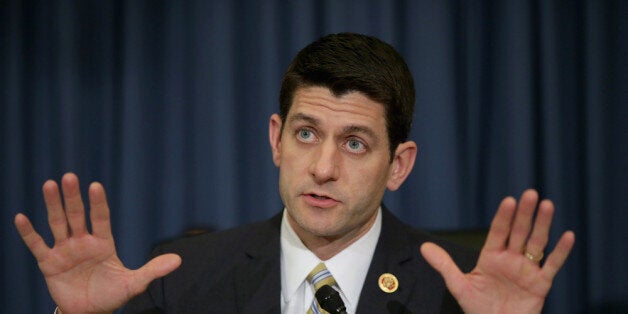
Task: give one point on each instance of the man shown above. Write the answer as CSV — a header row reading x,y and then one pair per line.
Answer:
x,y
339,141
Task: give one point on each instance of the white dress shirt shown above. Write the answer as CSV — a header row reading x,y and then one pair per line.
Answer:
x,y
349,268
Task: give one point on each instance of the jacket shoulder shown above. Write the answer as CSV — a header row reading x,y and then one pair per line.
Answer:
x,y
211,268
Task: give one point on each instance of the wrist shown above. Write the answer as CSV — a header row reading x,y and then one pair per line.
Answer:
x,y
58,311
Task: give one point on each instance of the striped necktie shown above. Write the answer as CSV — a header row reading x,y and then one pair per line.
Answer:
x,y
318,277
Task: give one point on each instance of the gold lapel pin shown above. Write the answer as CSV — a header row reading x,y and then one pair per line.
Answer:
x,y
388,283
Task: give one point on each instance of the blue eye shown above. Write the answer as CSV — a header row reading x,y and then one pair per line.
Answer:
x,y
355,146
305,135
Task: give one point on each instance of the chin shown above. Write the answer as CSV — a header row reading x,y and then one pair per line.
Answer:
x,y
320,229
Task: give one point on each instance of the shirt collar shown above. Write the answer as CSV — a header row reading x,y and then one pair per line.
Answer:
x,y
349,267
296,260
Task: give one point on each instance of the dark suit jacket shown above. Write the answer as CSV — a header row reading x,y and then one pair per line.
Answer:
x,y
238,271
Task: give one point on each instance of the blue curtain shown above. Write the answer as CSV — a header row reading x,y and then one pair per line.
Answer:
x,y
167,104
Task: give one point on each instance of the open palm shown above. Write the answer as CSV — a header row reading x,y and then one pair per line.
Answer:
x,y
82,270
508,277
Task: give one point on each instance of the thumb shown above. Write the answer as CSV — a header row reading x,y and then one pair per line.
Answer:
x,y
440,260
155,268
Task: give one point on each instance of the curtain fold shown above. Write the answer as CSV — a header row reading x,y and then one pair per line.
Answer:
x,y
167,104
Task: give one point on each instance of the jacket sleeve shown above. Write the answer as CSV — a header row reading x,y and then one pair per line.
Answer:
x,y
151,300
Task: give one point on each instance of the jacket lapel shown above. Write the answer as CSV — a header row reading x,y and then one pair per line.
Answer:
x,y
420,287
258,279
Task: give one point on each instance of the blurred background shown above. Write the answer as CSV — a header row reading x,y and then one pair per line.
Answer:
x,y
167,104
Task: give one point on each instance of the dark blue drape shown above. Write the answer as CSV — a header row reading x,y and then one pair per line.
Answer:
x,y
167,104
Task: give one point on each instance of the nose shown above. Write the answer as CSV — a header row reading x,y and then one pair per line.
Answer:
x,y
325,162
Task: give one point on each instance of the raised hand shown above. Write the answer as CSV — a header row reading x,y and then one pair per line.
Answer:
x,y
82,270
508,277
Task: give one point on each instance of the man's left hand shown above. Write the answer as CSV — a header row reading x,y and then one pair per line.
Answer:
x,y
509,276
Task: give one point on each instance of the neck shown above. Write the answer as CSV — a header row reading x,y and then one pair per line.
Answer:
x,y
326,247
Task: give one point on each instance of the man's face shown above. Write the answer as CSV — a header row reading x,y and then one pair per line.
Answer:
x,y
334,162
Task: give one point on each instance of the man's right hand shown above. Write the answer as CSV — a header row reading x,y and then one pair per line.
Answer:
x,y
82,269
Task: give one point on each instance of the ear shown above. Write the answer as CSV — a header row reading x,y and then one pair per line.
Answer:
x,y
402,164
274,136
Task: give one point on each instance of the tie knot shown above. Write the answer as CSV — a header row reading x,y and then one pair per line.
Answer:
x,y
320,276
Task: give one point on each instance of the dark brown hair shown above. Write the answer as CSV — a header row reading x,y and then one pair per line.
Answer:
x,y
349,62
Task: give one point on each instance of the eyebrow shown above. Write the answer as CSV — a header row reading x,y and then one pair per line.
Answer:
x,y
345,130
360,129
303,117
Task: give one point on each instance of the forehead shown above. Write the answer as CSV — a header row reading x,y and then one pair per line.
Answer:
x,y
351,107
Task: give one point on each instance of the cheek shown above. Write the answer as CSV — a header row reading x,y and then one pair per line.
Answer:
x,y
292,171
369,182
292,164
370,174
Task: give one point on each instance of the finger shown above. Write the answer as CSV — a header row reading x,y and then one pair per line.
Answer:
x,y
523,221
501,224
31,238
155,268
540,233
56,215
74,208
99,211
440,260
559,255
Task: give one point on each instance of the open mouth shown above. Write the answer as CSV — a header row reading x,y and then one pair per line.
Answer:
x,y
321,201
319,197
